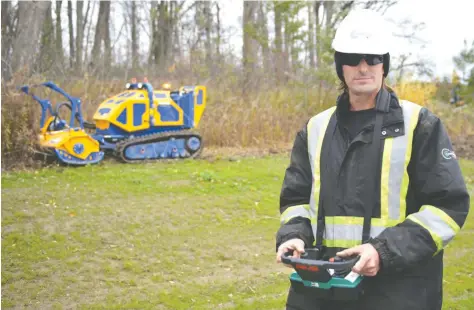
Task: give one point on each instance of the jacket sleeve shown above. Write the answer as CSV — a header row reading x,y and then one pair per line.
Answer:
x,y
295,195
442,200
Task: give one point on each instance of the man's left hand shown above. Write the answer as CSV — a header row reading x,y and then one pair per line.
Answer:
x,y
369,262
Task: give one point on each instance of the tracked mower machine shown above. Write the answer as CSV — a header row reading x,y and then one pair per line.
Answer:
x,y
135,125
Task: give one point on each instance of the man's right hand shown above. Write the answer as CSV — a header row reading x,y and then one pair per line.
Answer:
x,y
296,245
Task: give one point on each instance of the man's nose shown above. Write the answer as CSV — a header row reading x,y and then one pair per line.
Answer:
x,y
363,66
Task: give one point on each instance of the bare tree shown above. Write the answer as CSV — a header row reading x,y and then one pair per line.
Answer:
x,y
207,30
410,62
329,11
263,35
8,33
203,32
317,6
59,33
6,23
218,31
172,21
278,40
154,47
102,36
311,35
134,34
79,34
250,47
163,18
287,44
47,45
31,16
88,23
107,45
71,34
177,29
177,47
163,32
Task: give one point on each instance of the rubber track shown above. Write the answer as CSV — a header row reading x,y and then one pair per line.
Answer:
x,y
157,137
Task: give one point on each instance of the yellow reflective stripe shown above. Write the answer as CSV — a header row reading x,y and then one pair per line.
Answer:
x,y
341,220
404,189
355,220
440,225
317,157
437,239
385,222
313,189
384,182
294,211
446,218
317,127
341,243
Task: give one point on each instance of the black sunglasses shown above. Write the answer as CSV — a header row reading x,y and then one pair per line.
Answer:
x,y
354,59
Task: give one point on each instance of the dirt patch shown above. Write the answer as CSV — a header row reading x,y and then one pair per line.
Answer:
x,y
463,146
235,153
211,154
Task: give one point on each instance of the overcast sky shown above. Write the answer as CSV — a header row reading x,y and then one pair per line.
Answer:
x,y
447,25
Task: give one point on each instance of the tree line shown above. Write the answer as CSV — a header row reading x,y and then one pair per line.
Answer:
x,y
282,40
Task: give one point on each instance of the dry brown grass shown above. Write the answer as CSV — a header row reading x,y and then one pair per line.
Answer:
x,y
265,120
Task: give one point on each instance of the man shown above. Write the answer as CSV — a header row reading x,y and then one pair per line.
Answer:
x,y
374,176
455,90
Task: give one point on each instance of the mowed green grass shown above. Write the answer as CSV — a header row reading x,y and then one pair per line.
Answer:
x,y
176,235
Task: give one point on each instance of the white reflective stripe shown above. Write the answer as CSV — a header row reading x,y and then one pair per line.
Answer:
x,y
317,126
347,235
441,226
294,211
357,220
348,232
412,109
396,157
384,177
397,168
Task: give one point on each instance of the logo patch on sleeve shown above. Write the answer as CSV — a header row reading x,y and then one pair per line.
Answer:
x,y
448,154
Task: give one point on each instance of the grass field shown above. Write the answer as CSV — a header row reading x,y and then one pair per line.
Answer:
x,y
175,235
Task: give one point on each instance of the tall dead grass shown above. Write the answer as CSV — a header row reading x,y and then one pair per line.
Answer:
x,y
264,119
418,92
458,120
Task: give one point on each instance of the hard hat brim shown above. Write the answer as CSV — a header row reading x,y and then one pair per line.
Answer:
x,y
360,47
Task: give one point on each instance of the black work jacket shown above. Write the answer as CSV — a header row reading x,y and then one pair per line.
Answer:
x,y
411,272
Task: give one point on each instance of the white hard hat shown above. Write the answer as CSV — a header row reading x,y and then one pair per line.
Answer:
x,y
363,32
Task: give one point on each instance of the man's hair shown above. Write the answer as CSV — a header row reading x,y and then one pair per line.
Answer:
x,y
343,87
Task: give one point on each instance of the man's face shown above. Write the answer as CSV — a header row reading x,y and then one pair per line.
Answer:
x,y
363,74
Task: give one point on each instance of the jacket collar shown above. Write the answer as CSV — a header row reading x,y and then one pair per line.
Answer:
x,y
385,102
